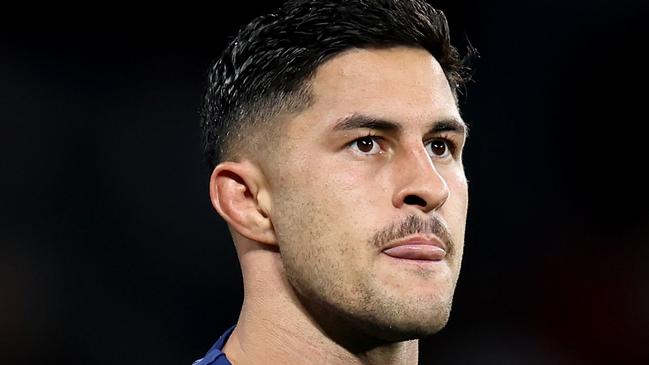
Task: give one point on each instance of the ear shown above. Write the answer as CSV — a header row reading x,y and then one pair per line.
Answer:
x,y
240,196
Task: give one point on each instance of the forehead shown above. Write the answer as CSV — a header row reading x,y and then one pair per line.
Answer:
x,y
403,84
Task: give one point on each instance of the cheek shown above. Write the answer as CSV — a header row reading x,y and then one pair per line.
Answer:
x,y
455,209
458,185
310,198
321,231
341,185
331,205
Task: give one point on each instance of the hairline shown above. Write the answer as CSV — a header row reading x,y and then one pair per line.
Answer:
x,y
302,98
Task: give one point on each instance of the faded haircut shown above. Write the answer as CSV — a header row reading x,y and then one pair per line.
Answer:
x,y
265,71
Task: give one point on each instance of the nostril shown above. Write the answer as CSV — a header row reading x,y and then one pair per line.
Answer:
x,y
414,200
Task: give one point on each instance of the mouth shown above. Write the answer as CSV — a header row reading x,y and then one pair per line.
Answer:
x,y
419,248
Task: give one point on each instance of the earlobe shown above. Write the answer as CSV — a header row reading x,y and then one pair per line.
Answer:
x,y
238,194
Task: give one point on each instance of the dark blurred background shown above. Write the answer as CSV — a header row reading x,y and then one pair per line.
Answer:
x,y
110,252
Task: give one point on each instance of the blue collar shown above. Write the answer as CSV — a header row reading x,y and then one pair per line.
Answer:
x,y
215,355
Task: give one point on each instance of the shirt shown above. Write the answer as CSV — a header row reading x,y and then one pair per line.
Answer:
x,y
214,356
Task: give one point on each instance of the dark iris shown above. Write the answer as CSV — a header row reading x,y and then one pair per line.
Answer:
x,y
365,144
438,147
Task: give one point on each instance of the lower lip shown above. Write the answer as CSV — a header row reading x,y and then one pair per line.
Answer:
x,y
422,264
417,252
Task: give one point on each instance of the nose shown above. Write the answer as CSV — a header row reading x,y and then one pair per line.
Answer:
x,y
418,182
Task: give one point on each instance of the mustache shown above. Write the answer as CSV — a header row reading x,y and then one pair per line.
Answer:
x,y
413,224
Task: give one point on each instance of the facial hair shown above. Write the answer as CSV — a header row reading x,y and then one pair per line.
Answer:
x,y
413,224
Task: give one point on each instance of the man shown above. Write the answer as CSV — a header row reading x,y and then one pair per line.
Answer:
x,y
335,139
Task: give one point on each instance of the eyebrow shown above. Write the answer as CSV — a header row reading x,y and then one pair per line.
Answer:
x,y
359,121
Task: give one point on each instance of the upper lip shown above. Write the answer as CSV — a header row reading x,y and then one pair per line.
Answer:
x,y
417,239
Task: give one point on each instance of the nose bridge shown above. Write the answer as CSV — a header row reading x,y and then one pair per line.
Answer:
x,y
418,177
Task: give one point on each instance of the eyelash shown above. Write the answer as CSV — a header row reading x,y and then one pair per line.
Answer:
x,y
377,139
450,144
452,147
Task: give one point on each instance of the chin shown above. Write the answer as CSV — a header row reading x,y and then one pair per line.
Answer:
x,y
408,324
416,330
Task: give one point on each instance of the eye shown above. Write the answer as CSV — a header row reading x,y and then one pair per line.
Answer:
x,y
438,148
367,145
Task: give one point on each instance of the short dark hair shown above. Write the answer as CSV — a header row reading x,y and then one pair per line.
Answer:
x,y
265,70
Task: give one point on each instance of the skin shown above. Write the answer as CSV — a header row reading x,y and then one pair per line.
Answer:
x,y
309,222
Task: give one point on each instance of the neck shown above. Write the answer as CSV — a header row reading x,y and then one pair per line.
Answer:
x,y
274,327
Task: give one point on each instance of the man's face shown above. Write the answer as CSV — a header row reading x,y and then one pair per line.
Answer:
x,y
365,183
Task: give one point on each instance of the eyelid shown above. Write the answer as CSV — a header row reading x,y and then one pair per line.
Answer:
x,y
366,134
451,146
453,143
378,140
